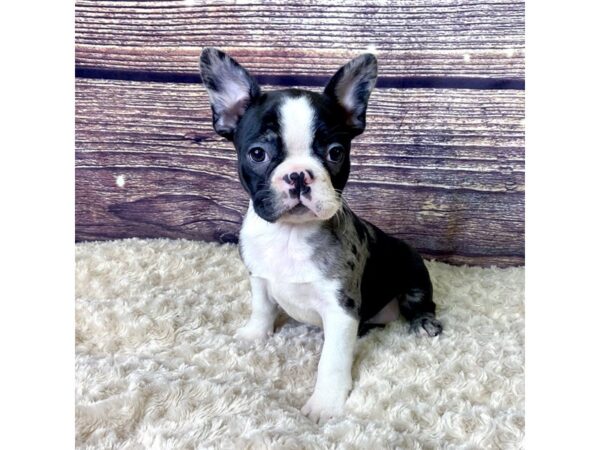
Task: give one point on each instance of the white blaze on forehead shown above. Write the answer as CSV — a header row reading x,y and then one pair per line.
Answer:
x,y
297,118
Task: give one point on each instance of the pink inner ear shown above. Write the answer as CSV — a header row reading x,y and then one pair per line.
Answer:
x,y
230,117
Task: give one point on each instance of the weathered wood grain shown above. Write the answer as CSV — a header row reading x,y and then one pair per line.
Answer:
x,y
442,169
413,38
452,226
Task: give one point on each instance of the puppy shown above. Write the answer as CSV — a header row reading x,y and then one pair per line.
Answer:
x,y
305,250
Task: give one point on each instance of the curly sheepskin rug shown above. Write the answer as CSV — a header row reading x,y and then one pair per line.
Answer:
x,y
157,366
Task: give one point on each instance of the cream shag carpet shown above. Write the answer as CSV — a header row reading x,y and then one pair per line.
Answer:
x,y
157,365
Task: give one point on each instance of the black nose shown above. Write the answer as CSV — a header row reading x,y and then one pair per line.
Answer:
x,y
294,178
297,180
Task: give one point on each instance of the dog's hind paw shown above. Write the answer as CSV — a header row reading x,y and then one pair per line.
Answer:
x,y
427,323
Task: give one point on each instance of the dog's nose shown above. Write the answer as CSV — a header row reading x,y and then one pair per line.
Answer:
x,y
300,183
299,179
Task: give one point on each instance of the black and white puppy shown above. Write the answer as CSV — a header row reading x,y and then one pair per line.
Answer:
x,y
305,250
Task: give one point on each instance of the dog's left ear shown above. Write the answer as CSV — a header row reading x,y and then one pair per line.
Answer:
x,y
351,87
230,88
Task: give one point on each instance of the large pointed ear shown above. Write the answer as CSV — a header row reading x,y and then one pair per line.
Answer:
x,y
230,88
351,87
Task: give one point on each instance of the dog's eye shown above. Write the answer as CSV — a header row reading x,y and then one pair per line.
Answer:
x,y
257,154
335,153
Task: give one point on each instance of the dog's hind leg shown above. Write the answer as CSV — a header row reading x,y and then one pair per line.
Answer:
x,y
418,308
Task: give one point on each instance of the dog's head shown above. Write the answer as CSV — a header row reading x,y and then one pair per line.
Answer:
x,y
293,145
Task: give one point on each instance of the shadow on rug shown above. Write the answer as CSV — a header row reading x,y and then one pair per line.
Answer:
x,y
157,365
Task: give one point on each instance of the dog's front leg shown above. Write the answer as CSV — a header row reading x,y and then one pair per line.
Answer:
x,y
264,313
334,378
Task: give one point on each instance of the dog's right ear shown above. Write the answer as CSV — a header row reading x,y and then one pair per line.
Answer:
x,y
230,88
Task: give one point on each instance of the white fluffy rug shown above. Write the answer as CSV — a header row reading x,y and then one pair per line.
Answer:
x,y
157,365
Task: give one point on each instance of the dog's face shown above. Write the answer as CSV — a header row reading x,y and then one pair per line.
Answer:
x,y
293,145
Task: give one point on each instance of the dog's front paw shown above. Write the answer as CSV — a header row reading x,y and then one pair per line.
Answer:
x,y
321,407
252,332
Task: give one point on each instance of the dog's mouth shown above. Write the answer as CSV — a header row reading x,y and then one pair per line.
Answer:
x,y
299,213
299,209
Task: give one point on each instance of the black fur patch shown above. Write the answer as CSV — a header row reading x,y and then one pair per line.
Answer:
x,y
348,303
360,229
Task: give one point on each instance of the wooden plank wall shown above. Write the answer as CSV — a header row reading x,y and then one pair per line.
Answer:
x,y
441,163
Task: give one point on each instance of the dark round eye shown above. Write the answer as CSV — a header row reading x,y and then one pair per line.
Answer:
x,y
257,154
335,153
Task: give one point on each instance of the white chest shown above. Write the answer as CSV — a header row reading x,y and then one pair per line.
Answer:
x,y
279,252
282,255
303,302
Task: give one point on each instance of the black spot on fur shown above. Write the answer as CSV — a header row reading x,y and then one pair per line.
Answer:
x,y
348,303
211,83
351,265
